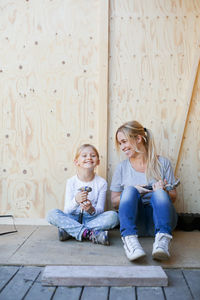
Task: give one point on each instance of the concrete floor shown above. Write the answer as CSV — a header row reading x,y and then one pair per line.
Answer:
x,y
39,245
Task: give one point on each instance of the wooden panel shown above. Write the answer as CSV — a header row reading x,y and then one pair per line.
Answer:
x,y
49,104
118,293
21,283
188,166
177,288
153,45
193,278
155,293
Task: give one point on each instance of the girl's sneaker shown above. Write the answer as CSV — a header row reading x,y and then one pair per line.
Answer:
x,y
63,235
99,237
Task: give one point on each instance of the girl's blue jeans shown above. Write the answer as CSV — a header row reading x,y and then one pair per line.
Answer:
x,y
137,218
69,222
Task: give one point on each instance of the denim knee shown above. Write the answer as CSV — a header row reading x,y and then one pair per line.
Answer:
x,y
160,197
128,194
113,218
52,213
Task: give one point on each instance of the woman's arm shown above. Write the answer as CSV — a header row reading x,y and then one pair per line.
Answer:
x,y
115,199
172,195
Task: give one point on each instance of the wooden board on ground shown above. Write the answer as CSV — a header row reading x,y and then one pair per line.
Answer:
x,y
104,276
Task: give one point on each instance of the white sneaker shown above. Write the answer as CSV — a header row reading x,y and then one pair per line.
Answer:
x,y
161,246
132,247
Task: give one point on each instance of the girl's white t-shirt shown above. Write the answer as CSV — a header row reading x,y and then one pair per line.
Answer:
x,y
97,196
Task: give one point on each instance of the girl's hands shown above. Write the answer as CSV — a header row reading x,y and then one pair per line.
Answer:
x,y
85,204
81,197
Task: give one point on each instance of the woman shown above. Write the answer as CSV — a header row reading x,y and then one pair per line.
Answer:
x,y
143,212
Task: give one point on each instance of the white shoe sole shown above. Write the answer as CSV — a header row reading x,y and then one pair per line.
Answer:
x,y
160,255
136,255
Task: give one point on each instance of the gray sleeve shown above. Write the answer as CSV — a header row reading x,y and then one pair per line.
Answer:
x,y
117,180
169,173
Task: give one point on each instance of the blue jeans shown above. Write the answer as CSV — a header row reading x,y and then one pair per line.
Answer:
x,y
137,218
69,222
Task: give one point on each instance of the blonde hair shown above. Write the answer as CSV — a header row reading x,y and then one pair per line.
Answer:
x,y
131,130
82,147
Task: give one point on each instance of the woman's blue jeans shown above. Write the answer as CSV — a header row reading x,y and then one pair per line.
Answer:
x,y
137,218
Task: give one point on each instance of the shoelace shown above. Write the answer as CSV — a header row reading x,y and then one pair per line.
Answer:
x,y
132,243
163,242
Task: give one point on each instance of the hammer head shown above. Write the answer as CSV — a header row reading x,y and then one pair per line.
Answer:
x,y
85,188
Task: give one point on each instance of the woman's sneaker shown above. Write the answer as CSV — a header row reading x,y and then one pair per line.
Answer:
x,y
63,235
99,237
132,247
161,246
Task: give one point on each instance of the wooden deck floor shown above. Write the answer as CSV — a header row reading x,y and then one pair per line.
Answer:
x,y
25,283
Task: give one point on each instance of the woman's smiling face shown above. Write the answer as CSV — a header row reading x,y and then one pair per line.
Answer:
x,y
126,146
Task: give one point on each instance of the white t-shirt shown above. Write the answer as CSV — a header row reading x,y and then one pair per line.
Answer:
x,y
97,196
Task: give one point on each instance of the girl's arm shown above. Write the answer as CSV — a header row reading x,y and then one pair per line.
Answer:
x,y
99,208
70,201
115,199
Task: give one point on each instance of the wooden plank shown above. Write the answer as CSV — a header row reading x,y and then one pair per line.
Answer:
x,y
104,276
153,293
63,293
193,280
177,288
37,291
20,284
103,86
118,293
97,293
6,273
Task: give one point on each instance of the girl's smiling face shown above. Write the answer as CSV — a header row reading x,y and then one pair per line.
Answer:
x,y
87,159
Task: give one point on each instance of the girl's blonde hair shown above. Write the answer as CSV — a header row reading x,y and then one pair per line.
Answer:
x,y
82,147
131,130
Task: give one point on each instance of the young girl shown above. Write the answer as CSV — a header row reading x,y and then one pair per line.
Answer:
x,y
84,216
143,211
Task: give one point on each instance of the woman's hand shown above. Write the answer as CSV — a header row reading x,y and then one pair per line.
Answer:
x,y
81,197
141,189
161,185
158,185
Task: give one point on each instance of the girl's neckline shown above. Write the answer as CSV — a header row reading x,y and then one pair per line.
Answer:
x,y
84,180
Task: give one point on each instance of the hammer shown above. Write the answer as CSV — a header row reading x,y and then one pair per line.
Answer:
x,y
82,189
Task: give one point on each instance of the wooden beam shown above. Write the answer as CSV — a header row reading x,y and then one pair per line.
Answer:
x,y
103,86
189,97
104,276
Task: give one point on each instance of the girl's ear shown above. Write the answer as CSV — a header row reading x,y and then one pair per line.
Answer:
x,y
76,162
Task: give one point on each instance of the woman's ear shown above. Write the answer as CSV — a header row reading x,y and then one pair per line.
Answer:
x,y
138,139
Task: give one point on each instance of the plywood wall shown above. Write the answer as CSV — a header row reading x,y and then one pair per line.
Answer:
x,y
49,100
154,48
54,72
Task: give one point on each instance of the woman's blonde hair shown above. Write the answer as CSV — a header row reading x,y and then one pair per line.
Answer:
x,y
82,147
131,130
